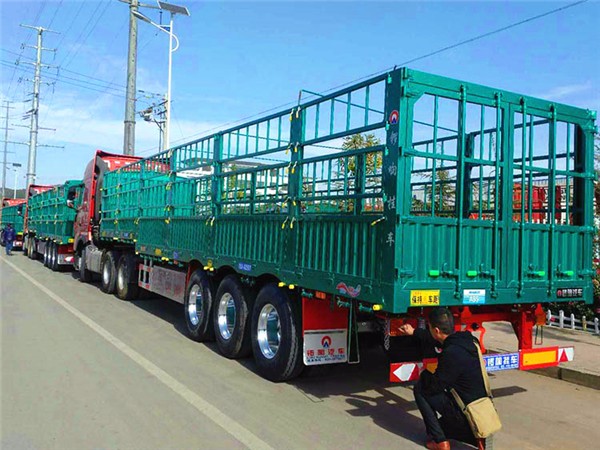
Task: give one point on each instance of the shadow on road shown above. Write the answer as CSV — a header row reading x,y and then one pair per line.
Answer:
x,y
364,387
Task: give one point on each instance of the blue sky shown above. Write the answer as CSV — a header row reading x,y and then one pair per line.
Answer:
x,y
239,58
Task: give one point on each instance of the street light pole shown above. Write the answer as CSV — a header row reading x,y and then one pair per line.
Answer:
x,y
167,136
14,167
16,178
173,9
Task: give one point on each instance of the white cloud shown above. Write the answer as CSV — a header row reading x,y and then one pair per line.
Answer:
x,y
561,92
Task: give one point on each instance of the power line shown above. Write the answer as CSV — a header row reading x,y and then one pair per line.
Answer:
x,y
91,29
80,85
29,34
427,55
72,21
76,73
499,30
62,78
55,12
78,39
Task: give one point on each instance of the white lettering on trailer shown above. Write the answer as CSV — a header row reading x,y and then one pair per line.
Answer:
x,y
325,346
494,363
474,296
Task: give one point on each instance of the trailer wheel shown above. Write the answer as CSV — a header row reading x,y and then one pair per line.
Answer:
x,y
85,276
127,283
25,244
276,335
198,308
109,272
32,254
46,256
53,257
231,314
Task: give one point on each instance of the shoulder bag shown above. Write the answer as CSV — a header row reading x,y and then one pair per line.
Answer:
x,y
481,413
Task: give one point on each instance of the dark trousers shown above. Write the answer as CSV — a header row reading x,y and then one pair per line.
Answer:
x,y
9,246
451,425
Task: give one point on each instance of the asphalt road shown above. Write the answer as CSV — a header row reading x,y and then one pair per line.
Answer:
x,y
84,370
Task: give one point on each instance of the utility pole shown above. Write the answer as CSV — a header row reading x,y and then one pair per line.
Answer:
x,y
4,162
129,135
129,132
35,102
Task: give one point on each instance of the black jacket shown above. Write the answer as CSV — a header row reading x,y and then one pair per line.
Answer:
x,y
458,368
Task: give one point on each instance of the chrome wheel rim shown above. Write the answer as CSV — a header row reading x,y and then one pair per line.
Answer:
x,y
194,309
226,316
268,331
105,274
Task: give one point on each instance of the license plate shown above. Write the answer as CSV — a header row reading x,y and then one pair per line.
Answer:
x,y
424,298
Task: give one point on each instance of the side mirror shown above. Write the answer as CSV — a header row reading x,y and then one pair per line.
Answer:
x,y
20,210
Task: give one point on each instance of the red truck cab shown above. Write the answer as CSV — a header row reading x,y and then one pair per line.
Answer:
x,y
88,214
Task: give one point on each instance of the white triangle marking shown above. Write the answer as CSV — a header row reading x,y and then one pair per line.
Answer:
x,y
570,352
403,372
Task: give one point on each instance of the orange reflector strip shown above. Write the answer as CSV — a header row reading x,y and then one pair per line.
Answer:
x,y
430,364
539,358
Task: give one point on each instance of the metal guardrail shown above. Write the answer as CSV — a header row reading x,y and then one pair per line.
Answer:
x,y
570,322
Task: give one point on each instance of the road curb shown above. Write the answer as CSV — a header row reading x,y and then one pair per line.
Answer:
x,y
586,379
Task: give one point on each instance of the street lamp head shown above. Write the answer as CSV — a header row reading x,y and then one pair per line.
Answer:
x,y
140,16
17,164
173,9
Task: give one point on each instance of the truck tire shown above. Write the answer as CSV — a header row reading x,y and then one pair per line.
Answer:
x,y
109,272
54,257
127,283
276,335
25,244
231,314
46,256
32,254
85,276
198,308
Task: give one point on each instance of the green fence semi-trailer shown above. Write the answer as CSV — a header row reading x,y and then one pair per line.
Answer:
x,y
290,235
12,213
50,221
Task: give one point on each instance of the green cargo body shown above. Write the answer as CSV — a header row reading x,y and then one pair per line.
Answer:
x,y
465,195
49,216
10,214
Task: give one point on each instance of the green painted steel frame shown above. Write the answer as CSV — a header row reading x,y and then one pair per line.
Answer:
x,y
10,215
49,217
214,200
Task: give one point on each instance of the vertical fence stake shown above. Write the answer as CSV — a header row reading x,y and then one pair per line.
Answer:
x,y
596,325
584,323
549,317
572,321
561,319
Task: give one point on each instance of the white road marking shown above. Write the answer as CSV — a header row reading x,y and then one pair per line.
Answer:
x,y
228,424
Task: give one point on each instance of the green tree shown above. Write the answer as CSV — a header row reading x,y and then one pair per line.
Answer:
x,y
444,195
359,141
